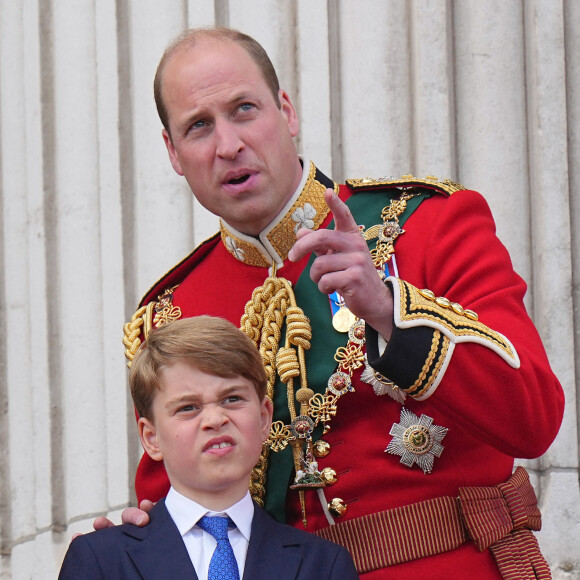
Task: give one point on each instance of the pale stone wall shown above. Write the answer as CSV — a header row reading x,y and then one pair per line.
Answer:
x,y
486,92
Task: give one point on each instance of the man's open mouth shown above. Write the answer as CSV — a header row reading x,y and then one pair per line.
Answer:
x,y
238,180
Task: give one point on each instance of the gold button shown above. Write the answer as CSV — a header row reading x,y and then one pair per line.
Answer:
x,y
337,507
457,308
470,314
427,294
329,476
321,448
444,302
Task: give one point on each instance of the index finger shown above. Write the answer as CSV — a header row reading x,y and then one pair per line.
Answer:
x,y
343,220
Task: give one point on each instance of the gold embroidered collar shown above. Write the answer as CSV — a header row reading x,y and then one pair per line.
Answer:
x,y
306,209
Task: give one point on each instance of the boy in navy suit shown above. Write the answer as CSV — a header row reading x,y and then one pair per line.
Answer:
x,y
199,388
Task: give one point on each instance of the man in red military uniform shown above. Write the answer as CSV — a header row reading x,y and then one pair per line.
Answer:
x,y
405,372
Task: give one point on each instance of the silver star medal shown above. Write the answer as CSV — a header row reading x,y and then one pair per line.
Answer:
x,y
382,385
416,440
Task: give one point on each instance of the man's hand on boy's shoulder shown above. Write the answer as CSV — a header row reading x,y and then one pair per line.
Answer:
x,y
131,515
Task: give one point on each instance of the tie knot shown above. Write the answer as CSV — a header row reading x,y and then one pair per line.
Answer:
x,y
216,526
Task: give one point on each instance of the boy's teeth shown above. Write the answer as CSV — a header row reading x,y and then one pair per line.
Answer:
x,y
220,445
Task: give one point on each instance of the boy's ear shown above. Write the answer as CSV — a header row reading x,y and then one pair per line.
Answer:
x,y
267,411
148,436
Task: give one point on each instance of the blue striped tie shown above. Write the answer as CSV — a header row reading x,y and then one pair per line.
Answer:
x,y
223,565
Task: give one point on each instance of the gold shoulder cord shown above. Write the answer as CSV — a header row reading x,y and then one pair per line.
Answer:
x,y
264,316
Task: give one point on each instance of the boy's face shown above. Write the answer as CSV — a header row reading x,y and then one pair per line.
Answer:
x,y
209,432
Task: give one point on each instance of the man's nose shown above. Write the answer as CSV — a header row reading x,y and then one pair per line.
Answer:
x,y
228,140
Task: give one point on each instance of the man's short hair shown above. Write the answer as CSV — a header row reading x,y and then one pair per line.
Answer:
x,y
209,344
187,39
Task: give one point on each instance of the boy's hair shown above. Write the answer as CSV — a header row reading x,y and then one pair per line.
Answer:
x,y
209,344
187,39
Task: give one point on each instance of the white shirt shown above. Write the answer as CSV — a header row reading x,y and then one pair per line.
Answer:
x,y
201,545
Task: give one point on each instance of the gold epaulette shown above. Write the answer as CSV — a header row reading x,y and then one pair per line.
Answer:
x,y
140,323
445,186
152,315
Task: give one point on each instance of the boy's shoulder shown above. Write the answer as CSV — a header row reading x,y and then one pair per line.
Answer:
x,y
122,551
275,546
158,516
287,533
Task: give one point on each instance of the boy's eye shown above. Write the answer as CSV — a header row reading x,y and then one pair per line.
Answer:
x,y
232,399
246,107
188,408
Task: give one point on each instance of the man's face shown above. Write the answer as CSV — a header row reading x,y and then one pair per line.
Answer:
x,y
209,432
229,138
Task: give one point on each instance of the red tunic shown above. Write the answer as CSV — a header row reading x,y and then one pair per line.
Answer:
x,y
494,412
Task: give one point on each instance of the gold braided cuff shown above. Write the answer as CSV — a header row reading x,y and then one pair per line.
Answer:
x,y
414,307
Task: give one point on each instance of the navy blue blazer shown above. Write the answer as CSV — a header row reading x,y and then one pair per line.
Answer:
x,y
156,552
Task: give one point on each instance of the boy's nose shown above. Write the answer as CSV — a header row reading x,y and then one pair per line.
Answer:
x,y
213,416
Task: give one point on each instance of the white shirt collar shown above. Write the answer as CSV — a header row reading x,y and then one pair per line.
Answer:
x,y
186,512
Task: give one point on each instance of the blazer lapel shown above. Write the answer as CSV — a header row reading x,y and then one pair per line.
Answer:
x,y
161,552
267,555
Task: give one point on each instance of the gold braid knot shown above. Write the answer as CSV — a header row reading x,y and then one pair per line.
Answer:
x,y
299,330
287,364
252,320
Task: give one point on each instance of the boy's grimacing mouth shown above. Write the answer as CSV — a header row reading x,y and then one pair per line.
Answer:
x,y
220,445
217,444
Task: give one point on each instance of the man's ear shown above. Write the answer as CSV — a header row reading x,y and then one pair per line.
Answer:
x,y
148,436
172,153
289,112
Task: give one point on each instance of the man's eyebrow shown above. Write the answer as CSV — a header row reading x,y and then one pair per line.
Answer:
x,y
240,96
189,118
202,111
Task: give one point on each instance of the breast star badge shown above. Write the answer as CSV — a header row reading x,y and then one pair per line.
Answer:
x,y
416,440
